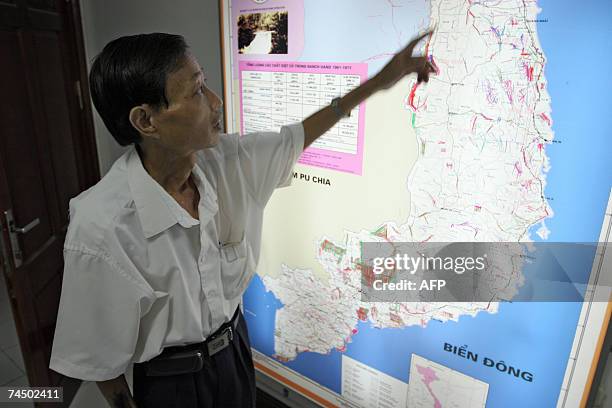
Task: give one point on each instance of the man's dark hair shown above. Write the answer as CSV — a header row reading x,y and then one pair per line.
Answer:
x,y
130,71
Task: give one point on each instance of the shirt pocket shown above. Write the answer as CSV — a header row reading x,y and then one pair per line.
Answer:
x,y
236,268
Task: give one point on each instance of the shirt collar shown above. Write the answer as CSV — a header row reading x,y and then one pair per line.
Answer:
x,y
156,209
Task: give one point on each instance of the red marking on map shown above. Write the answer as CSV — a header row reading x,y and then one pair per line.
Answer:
x,y
529,72
435,66
545,118
325,244
448,314
396,319
428,375
382,233
411,98
467,16
518,168
369,276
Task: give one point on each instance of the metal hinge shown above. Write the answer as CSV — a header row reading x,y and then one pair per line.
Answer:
x,y
79,94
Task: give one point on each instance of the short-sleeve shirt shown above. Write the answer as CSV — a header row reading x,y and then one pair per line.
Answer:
x,y
142,274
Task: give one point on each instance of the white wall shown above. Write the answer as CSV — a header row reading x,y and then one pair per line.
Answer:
x,y
196,20
103,21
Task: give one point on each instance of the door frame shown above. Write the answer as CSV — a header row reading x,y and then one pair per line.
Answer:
x,y
89,167
85,150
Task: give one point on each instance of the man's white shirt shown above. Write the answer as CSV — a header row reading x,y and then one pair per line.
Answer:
x,y
141,274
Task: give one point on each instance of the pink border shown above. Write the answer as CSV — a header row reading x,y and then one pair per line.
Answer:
x,y
349,163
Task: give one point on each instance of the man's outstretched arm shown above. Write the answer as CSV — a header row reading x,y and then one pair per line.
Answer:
x,y
117,392
402,64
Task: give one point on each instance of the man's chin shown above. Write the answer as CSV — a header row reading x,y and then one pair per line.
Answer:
x,y
213,140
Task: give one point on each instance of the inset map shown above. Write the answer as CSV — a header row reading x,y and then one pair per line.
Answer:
x,y
432,385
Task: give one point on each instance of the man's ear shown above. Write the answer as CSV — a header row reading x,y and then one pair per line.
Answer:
x,y
140,118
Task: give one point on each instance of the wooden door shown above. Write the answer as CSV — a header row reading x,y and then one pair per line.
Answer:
x,y
47,156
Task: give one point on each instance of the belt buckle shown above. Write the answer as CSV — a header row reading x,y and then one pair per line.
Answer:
x,y
221,341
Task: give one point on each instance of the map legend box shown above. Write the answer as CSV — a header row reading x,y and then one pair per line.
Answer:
x,y
368,387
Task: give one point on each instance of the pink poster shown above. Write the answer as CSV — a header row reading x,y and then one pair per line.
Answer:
x,y
273,94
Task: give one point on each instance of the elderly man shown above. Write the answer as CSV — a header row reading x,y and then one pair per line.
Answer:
x,y
160,251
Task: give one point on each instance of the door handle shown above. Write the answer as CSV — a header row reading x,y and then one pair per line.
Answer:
x,y
13,231
25,229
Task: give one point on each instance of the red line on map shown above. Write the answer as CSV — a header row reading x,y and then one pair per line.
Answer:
x,y
529,72
411,98
546,118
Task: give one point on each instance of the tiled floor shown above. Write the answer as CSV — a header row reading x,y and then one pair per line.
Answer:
x,y
12,370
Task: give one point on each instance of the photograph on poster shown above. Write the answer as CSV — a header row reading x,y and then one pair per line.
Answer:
x,y
263,33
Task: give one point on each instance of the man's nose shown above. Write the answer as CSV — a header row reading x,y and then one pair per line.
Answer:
x,y
215,102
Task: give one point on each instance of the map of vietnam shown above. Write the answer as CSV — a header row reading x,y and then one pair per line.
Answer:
x,y
482,125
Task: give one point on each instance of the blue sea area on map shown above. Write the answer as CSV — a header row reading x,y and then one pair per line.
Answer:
x,y
507,336
536,337
580,177
336,25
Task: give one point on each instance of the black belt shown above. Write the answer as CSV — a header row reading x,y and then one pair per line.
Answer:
x,y
190,358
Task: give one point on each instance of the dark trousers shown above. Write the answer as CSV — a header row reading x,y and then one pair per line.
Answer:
x,y
226,380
